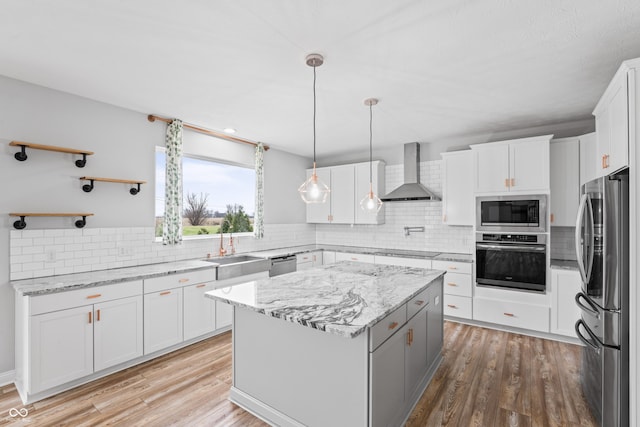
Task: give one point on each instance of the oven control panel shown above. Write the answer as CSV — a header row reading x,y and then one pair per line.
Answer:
x,y
511,238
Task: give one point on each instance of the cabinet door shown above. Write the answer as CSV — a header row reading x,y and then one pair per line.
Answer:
x,y
564,311
224,315
387,379
162,320
199,311
612,129
435,321
117,331
343,196
320,212
362,190
62,347
529,166
457,189
328,257
492,169
416,352
317,258
588,155
565,182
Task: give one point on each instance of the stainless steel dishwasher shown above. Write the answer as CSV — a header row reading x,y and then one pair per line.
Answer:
x,y
282,265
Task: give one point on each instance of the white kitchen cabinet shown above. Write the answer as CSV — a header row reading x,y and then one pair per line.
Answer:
x,y
308,260
199,311
511,313
614,120
564,310
588,155
117,331
458,288
162,319
565,181
328,257
458,206
362,189
62,347
224,311
519,165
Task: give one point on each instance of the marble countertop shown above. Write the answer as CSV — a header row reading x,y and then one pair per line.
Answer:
x,y
343,298
564,264
294,250
67,282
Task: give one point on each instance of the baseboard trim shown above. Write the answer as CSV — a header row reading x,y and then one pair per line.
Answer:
x,y
8,377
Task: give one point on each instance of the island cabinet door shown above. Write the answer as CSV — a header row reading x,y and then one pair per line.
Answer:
x,y
416,352
387,380
435,320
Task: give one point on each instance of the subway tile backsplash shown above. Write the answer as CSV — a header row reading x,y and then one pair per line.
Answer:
x,y
40,253
563,243
427,214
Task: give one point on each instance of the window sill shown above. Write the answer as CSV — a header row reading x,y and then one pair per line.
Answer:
x,y
209,236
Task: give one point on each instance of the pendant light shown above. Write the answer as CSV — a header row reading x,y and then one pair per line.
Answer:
x,y
313,190
371,203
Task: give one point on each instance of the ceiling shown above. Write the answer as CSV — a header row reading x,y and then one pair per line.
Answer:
x,y
442,69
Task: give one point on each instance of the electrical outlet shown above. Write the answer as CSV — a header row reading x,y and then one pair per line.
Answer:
x,y
125,251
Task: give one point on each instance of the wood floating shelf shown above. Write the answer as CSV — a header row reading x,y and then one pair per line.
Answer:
x,y
88,187
21,155
20,224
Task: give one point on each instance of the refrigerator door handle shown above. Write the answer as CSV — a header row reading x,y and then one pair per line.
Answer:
x,y
588,307
586,341
591,231
578,237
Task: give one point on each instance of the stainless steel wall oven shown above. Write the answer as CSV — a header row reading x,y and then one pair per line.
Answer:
x,y
512,261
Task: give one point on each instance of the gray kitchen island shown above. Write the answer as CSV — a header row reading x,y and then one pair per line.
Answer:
x,y
349,344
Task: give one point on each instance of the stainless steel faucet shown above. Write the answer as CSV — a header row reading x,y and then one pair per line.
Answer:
x,y
408,230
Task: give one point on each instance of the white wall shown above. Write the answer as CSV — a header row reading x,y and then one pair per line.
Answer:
x,y
124,144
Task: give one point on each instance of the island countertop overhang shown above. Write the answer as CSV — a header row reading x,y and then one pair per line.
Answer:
x,y
344,298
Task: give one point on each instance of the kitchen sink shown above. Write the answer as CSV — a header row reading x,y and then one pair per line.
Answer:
x,y
239,265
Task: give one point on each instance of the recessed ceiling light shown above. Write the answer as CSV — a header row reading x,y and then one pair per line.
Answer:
x,y
229,130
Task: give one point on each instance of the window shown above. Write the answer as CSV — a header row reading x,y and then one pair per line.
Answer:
x,y
215,195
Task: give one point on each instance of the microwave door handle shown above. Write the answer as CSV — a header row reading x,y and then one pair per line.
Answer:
x,y
514,248
586,341
578,238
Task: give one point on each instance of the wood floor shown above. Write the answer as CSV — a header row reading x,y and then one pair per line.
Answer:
x,y
487,378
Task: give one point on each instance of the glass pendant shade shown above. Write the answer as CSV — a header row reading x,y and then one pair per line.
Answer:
x,y
313,190
371,203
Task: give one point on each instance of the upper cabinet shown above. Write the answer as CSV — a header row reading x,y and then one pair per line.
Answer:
x,y
457,189
565,181
349,184
519,165
588,170
615,120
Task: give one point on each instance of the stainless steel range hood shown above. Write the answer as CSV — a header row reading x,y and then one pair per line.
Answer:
x,y
411,189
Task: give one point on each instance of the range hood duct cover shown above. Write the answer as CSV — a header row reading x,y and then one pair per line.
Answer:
x,y
411,189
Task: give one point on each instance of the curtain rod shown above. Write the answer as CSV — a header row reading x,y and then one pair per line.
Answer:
x,y
152,118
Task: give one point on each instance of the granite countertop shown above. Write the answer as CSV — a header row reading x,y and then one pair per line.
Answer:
x,y
343,298
294,250
564,264
67,282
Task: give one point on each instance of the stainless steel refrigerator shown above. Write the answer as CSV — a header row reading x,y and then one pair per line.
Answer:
x,y
602,246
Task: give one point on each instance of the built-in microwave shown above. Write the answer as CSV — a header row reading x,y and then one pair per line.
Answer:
x,y
509,214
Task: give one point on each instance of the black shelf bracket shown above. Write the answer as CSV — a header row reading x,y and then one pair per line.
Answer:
x,y
88,187
83,162
81,222
135,191
19,224
21,155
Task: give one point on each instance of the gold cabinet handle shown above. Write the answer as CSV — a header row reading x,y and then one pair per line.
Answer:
x,y
165,293
354,258
444,218
410,337
201,285
452,306
94,296
185,280
90,317
506,182
607,156
419,302
452,268
98,315
509,314
513,182
452,284
393,325
552,217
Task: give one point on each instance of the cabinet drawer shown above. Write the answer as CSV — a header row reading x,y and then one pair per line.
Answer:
x,y
519,315
386,327
85,296
405,262
307,257
342,256
453,266
458,306
418,302
458,284
179,280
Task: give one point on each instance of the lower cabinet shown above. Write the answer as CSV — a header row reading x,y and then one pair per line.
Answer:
x,y
224,315
511,313
458,288
199,312
564,310
162,319
117,331
308,260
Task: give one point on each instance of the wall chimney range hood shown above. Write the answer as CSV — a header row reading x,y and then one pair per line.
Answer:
x,y
411,189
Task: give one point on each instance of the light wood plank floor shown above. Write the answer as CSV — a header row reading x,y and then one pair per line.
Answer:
x,y
487,378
